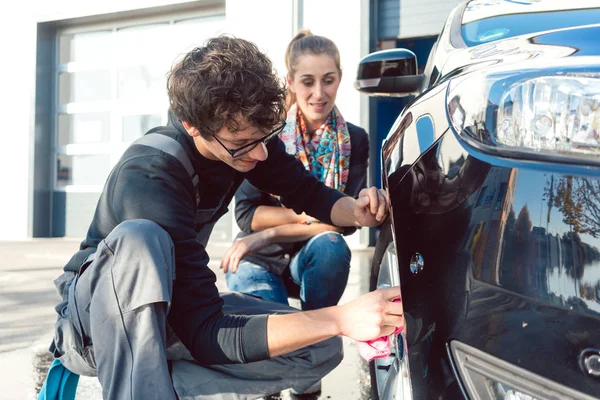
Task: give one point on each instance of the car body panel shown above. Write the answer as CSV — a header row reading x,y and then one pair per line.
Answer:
x,y
450,52
492,277
505,271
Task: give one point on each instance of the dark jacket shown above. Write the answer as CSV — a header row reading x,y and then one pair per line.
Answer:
x,y
149,184
276,257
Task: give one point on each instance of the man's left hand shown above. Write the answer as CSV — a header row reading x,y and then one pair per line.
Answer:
x,y
372,207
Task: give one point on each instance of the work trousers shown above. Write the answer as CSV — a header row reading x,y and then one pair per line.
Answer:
x,y
114,326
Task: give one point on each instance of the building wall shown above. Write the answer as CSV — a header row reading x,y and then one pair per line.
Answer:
x,y
16,80
412,18
424,17
272,32
269,23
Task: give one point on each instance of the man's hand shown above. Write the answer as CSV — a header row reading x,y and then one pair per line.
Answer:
x,y
242,247
371,207
369,317
372,315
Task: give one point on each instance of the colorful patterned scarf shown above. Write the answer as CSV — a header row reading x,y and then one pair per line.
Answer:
x,y
326,153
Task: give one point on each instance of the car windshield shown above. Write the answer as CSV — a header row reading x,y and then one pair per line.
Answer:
x,y
505,26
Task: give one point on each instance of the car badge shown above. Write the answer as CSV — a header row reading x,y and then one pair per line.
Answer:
x,y
416,263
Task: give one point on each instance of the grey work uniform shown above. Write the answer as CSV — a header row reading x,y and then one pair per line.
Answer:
x,y
145,293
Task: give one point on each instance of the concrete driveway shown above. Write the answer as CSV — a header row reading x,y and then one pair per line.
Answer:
x,y
27,297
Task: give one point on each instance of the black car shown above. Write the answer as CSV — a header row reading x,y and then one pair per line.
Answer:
x,y
493,174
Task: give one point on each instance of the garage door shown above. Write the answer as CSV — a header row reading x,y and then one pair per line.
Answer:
x,y
111,88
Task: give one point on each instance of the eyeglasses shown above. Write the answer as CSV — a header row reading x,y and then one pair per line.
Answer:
x,y
245,149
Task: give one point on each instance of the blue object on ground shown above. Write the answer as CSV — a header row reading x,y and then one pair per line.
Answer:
x,y
61,384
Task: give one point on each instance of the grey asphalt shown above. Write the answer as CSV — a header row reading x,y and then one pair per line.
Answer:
x,y
27,297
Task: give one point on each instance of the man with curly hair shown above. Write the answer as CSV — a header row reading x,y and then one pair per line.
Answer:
x,y
140,307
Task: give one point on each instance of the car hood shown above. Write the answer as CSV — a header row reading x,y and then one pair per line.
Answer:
x,y
562,43
477,10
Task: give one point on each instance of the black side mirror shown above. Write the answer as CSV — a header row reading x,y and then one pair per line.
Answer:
x,y
390,72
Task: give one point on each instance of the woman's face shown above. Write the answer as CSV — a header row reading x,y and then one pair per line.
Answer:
x,y
315,83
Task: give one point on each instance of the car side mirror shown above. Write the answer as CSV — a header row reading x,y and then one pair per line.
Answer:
x,y
390,72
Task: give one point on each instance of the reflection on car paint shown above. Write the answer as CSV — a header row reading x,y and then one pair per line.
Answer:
x,y
425,132
529,260
512,244
553,257
493,34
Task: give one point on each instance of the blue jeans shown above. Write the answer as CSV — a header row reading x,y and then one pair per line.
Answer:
x,y
320,269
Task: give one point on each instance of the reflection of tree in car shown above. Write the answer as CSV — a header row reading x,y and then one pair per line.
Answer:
x,y
525,256
578,199
578,254
589,291
519,250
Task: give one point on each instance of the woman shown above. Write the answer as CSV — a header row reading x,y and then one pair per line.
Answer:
x,y
278,251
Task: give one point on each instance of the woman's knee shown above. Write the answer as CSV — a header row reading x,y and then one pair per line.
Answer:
x,y
255,280
331,248
330,242
247,278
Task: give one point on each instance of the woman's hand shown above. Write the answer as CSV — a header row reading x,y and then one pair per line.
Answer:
x,y
372,207
280,234
242,247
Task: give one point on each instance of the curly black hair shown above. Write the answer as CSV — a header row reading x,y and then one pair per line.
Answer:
x,y
227,78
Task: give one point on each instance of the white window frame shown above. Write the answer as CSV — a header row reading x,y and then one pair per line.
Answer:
x,y
116,108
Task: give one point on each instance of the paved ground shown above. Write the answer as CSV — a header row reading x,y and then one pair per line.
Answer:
x,y
27,297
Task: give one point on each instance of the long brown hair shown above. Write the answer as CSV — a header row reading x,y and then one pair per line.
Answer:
x,y
306,43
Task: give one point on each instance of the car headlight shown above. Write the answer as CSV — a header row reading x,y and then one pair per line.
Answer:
x,y
540,111
485,377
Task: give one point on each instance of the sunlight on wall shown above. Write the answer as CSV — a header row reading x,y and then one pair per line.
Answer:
x,y
17,73
268,23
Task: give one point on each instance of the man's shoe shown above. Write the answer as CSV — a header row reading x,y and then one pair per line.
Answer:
x,y
314,390
276,396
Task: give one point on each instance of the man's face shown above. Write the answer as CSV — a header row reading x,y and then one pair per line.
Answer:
x,y
214,150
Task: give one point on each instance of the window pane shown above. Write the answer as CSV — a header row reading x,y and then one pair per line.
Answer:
x,y
143,81
84,86
191,33
142,44
481,195
82,169
134,126
83,128
500,197
85,47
